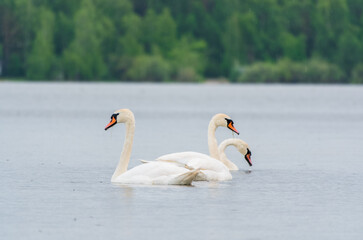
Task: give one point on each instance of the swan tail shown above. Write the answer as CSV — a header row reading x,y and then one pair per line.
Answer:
x,y
185,178
201,176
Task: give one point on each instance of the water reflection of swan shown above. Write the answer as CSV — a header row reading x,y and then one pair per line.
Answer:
x,y
151,173
128,192
212,169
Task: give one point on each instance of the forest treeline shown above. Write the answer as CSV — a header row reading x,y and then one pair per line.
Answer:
x,y
289,41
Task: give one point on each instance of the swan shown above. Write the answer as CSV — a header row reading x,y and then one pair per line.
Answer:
x,y
211,168
152,173
241,146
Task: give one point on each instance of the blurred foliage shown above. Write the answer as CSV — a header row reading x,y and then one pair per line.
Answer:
x,y
287,71
357,73
149,68
41,57
315,41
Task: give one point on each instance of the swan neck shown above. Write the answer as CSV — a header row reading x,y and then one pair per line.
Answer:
x,y
221,149
212,140
126,151
223,157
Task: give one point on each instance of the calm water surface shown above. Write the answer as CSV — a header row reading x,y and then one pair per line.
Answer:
x,y
56,162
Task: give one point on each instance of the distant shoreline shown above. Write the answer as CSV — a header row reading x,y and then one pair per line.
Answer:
x,y
206,82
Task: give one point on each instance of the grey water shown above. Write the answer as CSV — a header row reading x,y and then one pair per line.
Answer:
x,y
56,162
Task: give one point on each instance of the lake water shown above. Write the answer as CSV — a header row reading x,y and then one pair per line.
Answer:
x,y
56,162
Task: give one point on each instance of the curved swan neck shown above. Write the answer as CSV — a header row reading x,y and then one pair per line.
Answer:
x,y
212,140
127,148
223,157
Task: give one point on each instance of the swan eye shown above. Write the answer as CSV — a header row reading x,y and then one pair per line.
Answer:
x,y
249,152
114,115
229,121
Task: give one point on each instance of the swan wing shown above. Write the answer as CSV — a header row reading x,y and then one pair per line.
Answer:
x,y
176,163
183,157
158,173
194,160
211,169
208,175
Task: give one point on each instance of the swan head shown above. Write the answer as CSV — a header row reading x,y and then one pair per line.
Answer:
x,y
224,120
244,149
229,123
120,116
248,157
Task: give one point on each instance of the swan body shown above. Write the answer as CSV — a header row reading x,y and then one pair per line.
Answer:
x,y
151,173
211,169
158,173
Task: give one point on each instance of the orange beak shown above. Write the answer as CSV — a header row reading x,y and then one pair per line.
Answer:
x,y
230,126
112,122
248,158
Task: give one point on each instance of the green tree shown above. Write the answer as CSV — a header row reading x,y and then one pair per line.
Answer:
x,y
331,21
159,32
115,10
111,16
149,68
64,11
41,58
130,43
83,59
188,59
165,31
63,32
357,73
240,39
349,50
293,47
355,12
128,46
233,41
270,27
96,39
16,28
298,20
208,29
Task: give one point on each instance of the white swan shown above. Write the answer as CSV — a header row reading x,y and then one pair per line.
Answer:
x,y
241,146
211,168
151,173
